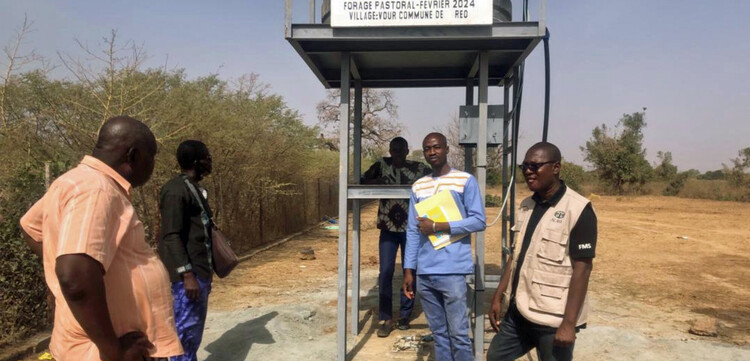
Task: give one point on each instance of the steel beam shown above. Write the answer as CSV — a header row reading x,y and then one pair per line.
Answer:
x,y
482,180
357,140
504,30
396,83
469,151
355,70
542,17
325,48
288,19
343,211
514,151
384,74
357,132
312,11
310,63
474,69
379,192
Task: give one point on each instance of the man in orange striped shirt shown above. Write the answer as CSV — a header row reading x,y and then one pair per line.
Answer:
x,y
112,294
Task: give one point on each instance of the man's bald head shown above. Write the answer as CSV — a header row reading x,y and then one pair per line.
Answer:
x,y
551,151
125,132
127,146
439,136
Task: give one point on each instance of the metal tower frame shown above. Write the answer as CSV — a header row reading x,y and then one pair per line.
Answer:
x,y
400,57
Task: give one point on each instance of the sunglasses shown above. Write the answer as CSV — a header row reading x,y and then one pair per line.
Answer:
x,y
533,167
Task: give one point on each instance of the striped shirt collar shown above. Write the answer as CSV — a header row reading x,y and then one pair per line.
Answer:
x,y
103,168
453,170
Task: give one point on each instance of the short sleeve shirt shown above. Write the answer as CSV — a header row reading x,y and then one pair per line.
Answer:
x,y
88,211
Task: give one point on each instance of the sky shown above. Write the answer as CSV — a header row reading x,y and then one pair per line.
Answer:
x,y
685,61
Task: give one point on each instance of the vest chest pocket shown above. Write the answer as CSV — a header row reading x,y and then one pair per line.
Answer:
x,y
554,246
549,292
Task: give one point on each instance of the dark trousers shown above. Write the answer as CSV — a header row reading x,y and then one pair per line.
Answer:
x,y
388,247
518,336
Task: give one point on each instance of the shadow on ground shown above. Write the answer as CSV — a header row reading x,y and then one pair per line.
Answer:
x,y
236,343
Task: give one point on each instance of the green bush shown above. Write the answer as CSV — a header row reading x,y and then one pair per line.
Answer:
x,y
494,177
712,175
263,154
676,185
23,299
618,156
493,201
573,175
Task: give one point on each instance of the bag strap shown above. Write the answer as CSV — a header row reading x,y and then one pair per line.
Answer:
x,y
205,218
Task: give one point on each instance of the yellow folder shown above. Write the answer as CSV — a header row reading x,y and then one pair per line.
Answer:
x,y
441,207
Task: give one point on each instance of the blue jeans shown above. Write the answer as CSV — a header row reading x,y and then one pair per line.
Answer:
x,y
517,336
190,318
388,247
443,300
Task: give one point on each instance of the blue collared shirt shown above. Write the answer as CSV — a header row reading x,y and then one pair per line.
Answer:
x,y
456,257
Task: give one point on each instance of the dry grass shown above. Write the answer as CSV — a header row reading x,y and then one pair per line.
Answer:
x,y
719,190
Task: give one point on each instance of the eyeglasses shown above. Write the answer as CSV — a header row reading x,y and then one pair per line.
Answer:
x,y
533,167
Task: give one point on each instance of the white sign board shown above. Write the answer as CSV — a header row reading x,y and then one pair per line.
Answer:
x,y
371,13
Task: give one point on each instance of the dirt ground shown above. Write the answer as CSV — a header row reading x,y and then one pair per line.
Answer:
x,y
661,263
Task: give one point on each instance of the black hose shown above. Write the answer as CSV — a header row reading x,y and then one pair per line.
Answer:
x,y
546,86
516,119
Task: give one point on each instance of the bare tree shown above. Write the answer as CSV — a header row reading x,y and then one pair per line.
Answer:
x,y
452,134
117,89
379,114
15,60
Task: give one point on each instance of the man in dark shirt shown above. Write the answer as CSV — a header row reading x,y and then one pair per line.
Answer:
x,y
392,220
185,246
545,319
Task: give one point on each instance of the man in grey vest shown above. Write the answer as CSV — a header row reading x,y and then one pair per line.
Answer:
x,y
549,269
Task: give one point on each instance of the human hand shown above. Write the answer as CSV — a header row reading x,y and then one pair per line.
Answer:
x,y
133,346
565,335
426,226
408,284
496,313
192,287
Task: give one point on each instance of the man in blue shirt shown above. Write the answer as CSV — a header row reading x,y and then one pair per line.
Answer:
x,y
441,273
